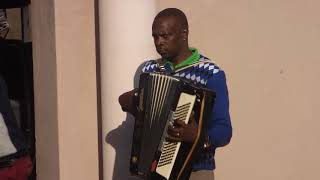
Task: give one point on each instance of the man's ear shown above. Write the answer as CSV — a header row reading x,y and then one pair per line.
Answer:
x,y
185,33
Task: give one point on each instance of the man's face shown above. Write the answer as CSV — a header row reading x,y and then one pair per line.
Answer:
x,y
167,36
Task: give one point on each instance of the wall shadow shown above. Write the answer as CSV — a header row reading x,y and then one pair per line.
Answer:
x,y
120,139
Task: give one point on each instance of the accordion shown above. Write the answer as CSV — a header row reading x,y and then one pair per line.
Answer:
x,y
160,100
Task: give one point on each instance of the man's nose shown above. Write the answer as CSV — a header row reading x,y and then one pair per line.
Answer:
x,y
159,41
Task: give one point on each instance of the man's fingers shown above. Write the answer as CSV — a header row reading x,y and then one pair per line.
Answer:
x,y
179,123
173,130
192,118
173,139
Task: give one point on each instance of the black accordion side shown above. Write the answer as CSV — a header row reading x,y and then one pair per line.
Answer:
x,y
161,99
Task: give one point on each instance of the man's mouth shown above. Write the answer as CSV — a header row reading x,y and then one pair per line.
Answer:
x,y
162,51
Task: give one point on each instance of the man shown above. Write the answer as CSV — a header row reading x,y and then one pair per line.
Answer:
x,y
170,34
15,163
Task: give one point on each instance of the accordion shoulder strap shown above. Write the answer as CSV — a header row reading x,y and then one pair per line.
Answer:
x,y
192,65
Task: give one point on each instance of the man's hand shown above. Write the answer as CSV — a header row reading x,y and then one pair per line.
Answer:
x,y
126,100
181,131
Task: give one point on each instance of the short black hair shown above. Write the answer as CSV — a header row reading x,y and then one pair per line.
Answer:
x,y
174,12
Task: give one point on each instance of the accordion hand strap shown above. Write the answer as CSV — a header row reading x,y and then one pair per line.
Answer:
x,y
196,140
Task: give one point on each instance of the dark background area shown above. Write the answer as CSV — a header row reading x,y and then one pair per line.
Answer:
x,y
16,68
6,4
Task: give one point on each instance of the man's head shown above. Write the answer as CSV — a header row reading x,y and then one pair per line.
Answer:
x,y
170,33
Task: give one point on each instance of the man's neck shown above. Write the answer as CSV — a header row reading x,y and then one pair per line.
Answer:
x,y
182,56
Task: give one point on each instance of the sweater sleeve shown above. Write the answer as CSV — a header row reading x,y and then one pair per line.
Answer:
x,y
220,129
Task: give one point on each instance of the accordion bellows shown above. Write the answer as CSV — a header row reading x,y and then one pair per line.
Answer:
x,y
161,99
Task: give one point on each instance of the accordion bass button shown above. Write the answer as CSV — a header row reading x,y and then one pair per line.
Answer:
x,y
134,159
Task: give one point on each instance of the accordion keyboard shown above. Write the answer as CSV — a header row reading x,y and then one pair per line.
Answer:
x,y
170,150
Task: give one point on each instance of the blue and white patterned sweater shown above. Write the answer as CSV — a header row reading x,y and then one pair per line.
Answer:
x,y
207,74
